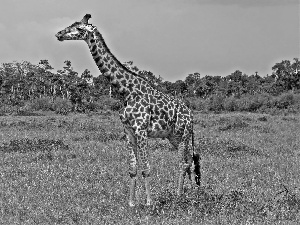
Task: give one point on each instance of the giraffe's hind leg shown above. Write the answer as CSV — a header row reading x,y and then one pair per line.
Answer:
x,y
180,143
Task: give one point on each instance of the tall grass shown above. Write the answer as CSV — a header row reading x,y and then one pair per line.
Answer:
x,y
73,170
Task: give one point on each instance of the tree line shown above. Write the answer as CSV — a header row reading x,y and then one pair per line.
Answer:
x,y
24,81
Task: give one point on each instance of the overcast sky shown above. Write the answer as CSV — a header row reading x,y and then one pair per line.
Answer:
x,y
171,38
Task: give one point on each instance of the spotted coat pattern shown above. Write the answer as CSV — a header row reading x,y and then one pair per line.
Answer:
x,y
147,112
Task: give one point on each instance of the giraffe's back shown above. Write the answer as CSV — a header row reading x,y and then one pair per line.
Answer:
x,y
157,113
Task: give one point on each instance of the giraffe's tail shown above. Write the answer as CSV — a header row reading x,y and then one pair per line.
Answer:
x,y
196,159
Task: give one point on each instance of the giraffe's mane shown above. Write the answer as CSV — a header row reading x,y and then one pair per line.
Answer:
x,y
98,34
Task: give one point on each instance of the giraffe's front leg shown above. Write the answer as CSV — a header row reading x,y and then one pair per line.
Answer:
x,y
132,174
132,147
144,161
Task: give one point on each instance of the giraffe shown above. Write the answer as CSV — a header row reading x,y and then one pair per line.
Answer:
x,y
147,112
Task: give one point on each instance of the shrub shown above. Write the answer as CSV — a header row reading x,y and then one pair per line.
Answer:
x,y
264,99
244,103
105,102
250,103
92,106
9,109
62,106
216,102
197,103
285,100
229,104
116,106
44,104
192,104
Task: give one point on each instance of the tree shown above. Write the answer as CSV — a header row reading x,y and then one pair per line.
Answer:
x,y
191,81
287,75
86,75
237,82
69,79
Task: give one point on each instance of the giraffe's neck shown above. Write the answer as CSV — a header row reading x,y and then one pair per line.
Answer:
x,y
125,80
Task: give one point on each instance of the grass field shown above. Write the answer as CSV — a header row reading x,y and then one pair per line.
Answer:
x,y
73,170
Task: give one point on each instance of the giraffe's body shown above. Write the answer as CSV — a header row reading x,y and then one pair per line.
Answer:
x,y
147,113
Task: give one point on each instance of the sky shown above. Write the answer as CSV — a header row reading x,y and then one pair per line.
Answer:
x,y
171,38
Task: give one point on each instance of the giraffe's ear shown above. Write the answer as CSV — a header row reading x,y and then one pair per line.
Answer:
x,y
86,18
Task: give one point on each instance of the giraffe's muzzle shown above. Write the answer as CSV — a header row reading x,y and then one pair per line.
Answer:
x,y
59,36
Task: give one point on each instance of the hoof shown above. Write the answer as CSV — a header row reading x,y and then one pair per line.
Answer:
x,y
131,204
197,180
149,203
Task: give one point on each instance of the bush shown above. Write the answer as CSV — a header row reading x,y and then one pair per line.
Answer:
x,y
251,103
216,102
116,106
9,109
285,100
264,99
197,103
44,104
192,104
62,106
89,107
230,104
241,104
92,106
106,103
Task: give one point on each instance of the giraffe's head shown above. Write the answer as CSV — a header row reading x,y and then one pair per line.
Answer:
x,y
77,31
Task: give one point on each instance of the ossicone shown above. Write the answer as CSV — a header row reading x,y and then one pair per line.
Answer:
x,y
86,18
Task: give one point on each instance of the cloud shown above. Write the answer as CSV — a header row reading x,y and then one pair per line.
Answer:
x,y
250,3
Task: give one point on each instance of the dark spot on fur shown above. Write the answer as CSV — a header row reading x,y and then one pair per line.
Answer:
x,y
143,89
119,76
97,59
94,48
104,70
152,99
137,98
130,87
113,69
138,105
101,64
139,121
123,82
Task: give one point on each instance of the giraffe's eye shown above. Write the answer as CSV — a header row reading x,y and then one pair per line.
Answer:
x,y
79,29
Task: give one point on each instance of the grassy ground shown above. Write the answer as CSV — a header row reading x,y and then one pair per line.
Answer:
x,y
73,170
